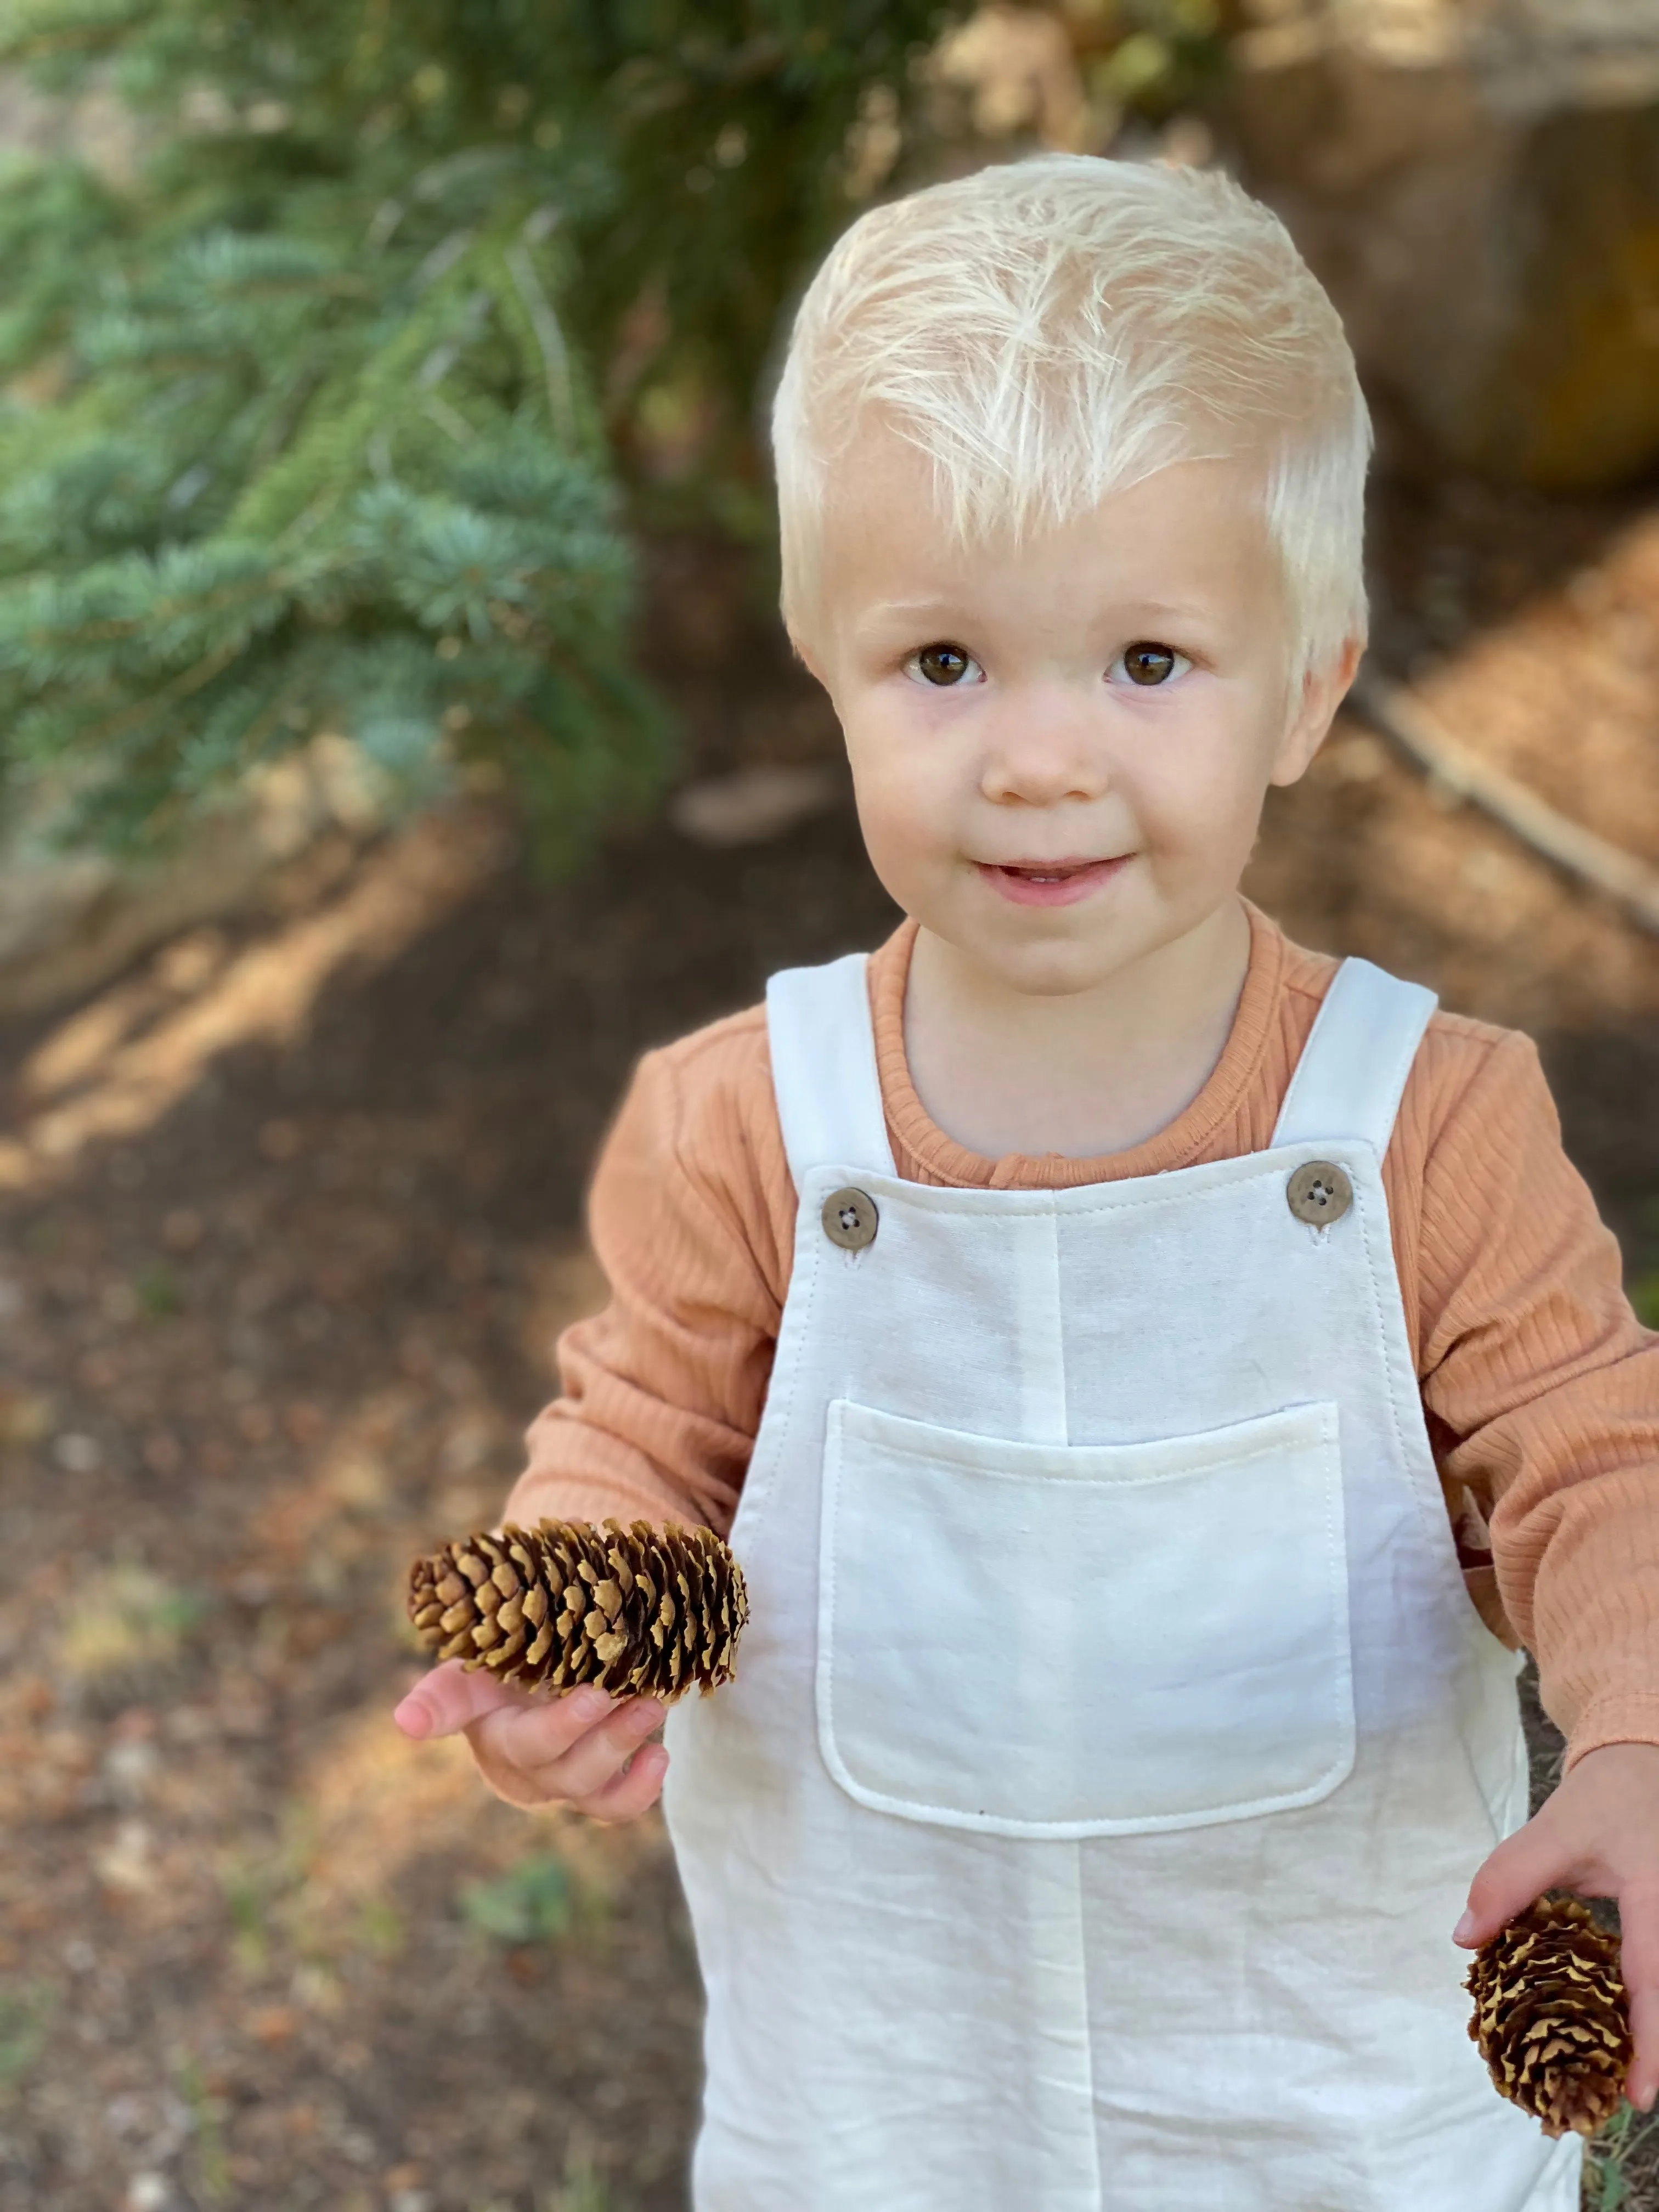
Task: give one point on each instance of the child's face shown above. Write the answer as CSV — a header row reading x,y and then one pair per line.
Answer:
x,y
1060,749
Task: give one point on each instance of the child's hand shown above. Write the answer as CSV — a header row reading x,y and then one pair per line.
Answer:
x,y
586,1750
1598,1834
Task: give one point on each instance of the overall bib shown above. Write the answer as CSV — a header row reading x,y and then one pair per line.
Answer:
x,y
1114,1739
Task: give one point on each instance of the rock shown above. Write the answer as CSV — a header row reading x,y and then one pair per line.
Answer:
x,y
753,806
1478,187
71,921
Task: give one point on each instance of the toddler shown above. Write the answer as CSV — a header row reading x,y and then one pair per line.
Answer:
x,y
1088,1316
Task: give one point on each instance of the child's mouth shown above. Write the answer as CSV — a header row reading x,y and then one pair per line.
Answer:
x,y
1049,883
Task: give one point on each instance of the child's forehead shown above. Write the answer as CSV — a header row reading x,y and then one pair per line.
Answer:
x,y
886,530
880,465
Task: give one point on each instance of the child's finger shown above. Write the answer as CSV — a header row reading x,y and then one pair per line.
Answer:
x,y
1639,1917
627,1795
450,1698
569,1749
534,1734
1514,1876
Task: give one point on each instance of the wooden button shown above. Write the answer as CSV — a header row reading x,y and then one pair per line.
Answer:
x,y
1320,1192
850,1218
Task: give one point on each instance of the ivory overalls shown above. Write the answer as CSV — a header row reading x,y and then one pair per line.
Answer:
x,y
1114,1740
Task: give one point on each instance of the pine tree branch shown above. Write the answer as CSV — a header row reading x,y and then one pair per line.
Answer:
x,y
1606,867
315,432
180,686
555,356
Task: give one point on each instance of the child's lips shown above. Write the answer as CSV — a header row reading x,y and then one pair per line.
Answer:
x,y
1050,883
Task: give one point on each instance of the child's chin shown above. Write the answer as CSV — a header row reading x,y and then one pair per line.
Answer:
x,y
1054,967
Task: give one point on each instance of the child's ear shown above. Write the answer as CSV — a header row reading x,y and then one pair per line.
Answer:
x,y
1323,690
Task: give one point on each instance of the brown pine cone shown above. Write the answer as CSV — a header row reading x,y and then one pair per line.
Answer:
x,y
638,1611
1550,2016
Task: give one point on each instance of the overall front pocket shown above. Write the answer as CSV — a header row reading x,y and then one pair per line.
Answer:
x,y
1083,1639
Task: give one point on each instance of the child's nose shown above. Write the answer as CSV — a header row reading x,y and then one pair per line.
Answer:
x,y
1041,752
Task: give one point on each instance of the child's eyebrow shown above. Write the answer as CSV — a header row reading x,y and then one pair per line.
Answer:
x,y
1130,609
917,618
890,610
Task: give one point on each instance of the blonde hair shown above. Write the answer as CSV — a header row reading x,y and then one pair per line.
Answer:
x,y
1050,330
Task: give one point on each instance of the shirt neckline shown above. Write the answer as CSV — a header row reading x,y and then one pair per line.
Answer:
x,y
916,1137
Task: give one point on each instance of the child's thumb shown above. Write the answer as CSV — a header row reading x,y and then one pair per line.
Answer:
x,y
1514,1876
448,1699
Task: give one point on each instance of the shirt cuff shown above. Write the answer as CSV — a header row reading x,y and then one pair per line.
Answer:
x,y
567,1498
1615,1717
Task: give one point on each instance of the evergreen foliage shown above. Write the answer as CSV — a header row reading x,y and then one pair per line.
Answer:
x,y
305,426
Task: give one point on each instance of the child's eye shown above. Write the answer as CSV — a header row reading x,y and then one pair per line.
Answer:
x,y
943,664
1146,663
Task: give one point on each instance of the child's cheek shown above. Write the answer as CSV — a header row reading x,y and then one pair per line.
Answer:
x,y
899,772
904,835
1201,834
892,812
1200,781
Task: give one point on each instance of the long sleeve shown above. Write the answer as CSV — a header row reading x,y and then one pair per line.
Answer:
x,y
689,1214
1542,1393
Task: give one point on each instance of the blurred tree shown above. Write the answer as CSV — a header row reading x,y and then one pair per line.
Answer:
x,y
316,420
306,425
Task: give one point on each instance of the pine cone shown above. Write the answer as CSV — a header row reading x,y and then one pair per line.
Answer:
x,y
1550,2016
640,1611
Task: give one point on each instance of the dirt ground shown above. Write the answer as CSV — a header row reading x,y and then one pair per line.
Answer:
x,y
288,1219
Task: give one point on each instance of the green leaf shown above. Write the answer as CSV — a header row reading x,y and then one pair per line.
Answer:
x,y
26,2013
529,1904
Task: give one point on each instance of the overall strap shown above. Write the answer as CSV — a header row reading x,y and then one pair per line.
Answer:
x,y
824,1068
1354,1067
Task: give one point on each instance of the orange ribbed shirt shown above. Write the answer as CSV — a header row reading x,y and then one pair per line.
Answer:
x,y
1540,1388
